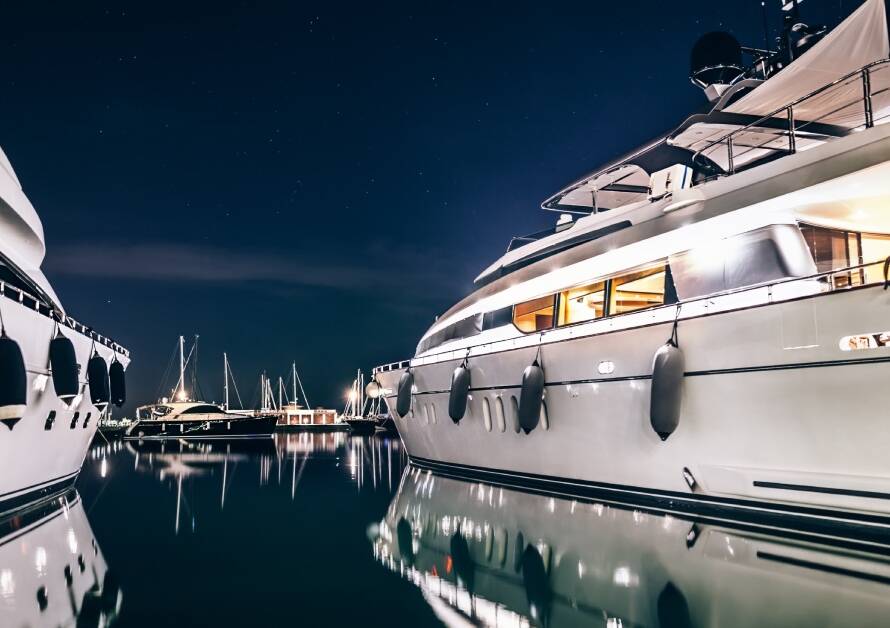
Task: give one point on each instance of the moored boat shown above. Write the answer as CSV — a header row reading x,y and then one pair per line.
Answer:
x,y
179,416
707,323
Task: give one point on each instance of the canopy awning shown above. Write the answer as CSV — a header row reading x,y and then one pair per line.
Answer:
x,y
858,41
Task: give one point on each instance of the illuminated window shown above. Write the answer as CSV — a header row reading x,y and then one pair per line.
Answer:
x,y
584,303
637,291
534,315
875,248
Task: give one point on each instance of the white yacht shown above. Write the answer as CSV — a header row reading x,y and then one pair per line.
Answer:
x,y
708,323
58,375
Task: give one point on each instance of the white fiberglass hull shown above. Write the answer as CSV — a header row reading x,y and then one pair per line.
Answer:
x,y
41,456
773,412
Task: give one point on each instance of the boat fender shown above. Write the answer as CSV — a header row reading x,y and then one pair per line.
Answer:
x,y
538,591
405,541
464,568
13,382
668,368
63,364
403,401
118,382
672,607
460,390
97,376
531,397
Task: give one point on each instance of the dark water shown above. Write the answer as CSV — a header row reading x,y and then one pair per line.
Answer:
x,y
328,529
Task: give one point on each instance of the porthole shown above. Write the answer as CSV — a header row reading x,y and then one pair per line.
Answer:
x,y
426,415
86,421
50,420
499,414
514,413
433,413
74,420
545,420
486,414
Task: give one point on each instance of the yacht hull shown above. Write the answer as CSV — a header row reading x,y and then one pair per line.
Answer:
x,y
42,453
775,416
223,428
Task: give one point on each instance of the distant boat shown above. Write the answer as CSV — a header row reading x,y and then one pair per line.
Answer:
x,y
188,418
291,415
355,415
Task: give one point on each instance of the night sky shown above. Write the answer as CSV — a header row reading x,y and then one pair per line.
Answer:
x,y
317,181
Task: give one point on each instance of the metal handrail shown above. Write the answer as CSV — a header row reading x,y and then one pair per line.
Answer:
x,y
66,320
787,110
828,275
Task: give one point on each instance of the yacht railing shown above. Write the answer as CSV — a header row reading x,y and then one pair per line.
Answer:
x,y
787,289
796,124
28,300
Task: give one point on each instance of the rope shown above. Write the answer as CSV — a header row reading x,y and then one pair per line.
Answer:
x,y
675,340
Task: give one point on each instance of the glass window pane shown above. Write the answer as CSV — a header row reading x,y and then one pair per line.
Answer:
x,y
875,248
534,315
584,303
637,291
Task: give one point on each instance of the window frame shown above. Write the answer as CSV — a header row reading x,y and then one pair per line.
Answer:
x,y
553,304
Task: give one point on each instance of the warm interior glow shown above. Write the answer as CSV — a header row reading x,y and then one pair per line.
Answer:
x,y
534,315
637,291
584,303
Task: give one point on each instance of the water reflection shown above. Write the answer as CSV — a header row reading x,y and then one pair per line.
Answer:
x,y
52,572
506,558
195,467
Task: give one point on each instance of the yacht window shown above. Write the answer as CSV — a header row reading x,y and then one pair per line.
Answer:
x,y
534,315
830,247
875,248
205,409
584,303
638,291
834,249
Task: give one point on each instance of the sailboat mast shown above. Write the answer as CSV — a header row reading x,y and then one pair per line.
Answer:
x,y
226,379
294,366
181,367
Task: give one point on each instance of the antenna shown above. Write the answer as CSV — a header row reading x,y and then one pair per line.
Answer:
x,y
766,42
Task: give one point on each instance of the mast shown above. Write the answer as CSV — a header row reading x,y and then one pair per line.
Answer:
x,y
294,365
181,367
280,388
226,379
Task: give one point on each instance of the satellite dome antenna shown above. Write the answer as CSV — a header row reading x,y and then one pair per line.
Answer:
x,y
715,63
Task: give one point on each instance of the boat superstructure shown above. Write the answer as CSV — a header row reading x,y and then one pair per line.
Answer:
x,y
59,375
708,320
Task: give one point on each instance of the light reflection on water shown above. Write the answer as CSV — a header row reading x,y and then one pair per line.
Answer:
x,y
328,529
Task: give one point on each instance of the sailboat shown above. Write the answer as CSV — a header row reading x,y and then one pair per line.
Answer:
x,y
292,416
355,415
182,416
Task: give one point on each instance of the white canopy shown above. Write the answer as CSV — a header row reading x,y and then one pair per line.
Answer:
x,y
859,40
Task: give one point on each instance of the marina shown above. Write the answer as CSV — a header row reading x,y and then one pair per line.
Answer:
x,y
664,408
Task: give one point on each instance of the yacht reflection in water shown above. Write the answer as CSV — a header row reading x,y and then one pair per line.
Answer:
x,y
493,556
51,570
